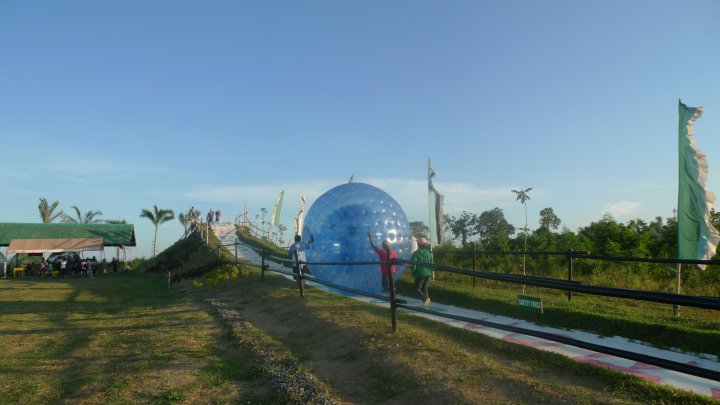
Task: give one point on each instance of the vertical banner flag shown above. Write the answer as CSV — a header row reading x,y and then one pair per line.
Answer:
x,y
697,237
299,217
275,219
435,206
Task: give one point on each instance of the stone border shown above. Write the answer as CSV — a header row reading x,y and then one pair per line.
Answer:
x,y
295,383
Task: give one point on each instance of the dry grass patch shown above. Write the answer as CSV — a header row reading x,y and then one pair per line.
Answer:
x,y
120,338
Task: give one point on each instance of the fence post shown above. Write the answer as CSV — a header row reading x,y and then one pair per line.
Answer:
x,y
391,288
676,308
299,275
474,260
570,271
262,264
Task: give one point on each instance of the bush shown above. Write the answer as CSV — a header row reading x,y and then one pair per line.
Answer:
x,y
222,276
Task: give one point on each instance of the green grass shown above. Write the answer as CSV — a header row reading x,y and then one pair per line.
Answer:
x,y
129,338
119,338
349,345
695,331
247,238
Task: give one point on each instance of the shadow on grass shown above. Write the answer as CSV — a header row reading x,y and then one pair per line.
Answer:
x,y
66,328
350,345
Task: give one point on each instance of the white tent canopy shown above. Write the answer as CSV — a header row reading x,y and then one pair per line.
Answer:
x,y
55,245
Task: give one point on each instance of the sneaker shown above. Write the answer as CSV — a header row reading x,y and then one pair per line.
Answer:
x,y
426,303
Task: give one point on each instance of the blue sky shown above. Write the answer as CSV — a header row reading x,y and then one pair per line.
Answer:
x,y
117,106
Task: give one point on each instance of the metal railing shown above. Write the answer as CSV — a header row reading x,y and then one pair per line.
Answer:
x,y
569,285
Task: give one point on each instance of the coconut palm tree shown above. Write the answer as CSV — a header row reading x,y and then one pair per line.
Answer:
x,y
47,211
90,217
523,197
157,217
184,220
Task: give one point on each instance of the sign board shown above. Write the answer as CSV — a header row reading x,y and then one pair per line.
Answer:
x,y
532,304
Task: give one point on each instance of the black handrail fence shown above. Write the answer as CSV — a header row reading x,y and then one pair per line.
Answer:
x,y
569,285
571,256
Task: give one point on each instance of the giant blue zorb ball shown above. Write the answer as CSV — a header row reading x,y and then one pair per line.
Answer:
x,y
338,223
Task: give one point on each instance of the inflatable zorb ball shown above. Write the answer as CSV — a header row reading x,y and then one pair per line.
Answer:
x,y
338,223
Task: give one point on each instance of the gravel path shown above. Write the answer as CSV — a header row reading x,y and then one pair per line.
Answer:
x,y
295,383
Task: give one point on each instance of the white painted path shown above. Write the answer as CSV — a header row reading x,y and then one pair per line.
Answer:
x,y
226,233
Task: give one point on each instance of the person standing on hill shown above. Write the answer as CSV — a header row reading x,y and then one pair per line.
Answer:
x,y
421,271
381,252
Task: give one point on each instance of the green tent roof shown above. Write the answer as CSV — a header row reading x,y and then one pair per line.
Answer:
x,y
112,234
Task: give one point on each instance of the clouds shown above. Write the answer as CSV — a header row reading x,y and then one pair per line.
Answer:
x,y
622,209
40,160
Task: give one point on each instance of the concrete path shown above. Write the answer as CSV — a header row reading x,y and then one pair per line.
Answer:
x,y
226,233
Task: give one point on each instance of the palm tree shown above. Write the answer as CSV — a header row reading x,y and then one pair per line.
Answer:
x,y
157,217
523,197
88,218
184,219
47,211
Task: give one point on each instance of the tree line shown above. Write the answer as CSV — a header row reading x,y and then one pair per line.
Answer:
x,y
490,231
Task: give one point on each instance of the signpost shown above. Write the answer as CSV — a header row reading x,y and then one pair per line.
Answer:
x,y
531,304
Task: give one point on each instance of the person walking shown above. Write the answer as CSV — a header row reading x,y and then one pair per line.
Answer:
x,y
296,253
83,267
63,267
92,266
421,271
381,252
42,272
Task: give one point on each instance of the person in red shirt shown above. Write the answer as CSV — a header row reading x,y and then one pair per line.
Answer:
x,y
383,261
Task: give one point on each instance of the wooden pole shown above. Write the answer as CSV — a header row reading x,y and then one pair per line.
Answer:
x,y
474,262
676,308
391,288
299,275
570,272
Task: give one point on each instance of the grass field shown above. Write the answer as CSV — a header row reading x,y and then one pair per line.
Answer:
x,y
119,338
350,346
129,338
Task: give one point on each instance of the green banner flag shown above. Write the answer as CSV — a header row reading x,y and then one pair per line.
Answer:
x,y
697,237
276,209
435,205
